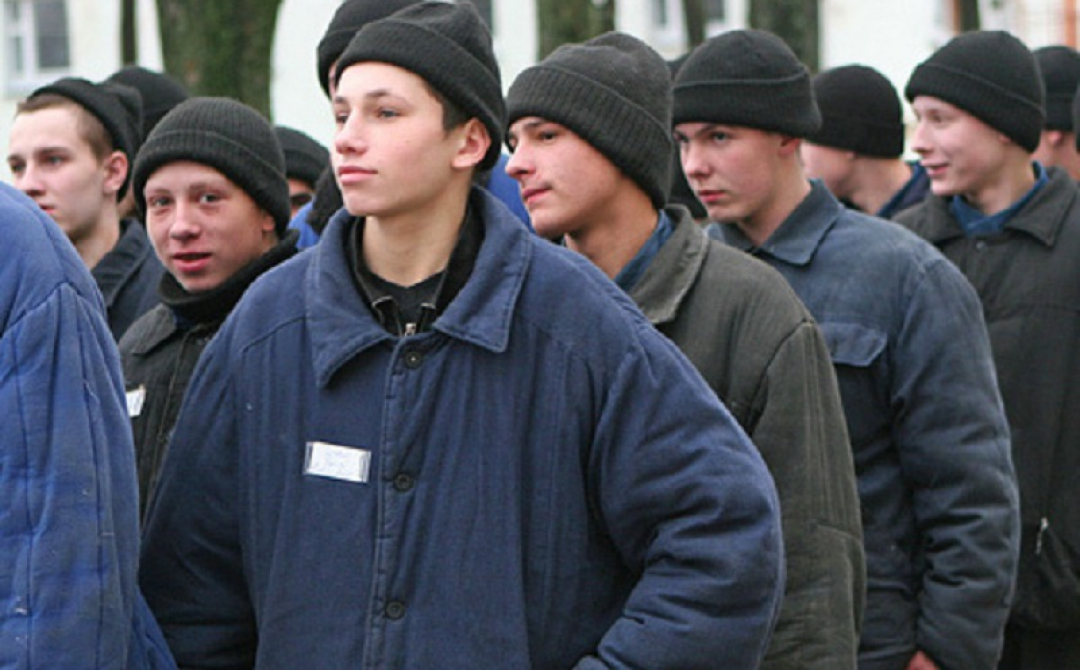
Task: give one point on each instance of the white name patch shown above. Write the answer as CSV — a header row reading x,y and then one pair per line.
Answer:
x,y
135,400
333,461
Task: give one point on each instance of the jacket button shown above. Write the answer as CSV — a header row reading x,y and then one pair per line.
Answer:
x,y
980,245
395,610
413,358
404,482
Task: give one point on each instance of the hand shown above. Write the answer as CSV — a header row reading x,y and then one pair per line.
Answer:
x,y
921,661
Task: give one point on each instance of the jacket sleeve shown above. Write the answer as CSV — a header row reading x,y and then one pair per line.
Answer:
x,y
191,570
953,443
690,506
68,528
802,435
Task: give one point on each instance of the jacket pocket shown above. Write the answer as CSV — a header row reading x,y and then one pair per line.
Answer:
x,y
853,344
1047,586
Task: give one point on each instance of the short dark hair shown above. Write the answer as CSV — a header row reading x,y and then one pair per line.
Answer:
x,y
453,115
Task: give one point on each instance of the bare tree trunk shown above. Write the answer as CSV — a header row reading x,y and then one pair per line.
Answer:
x,y
129,42
967,15
796,21
221,47
570,21
694,18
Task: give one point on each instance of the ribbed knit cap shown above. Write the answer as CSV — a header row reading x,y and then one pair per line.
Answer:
x,y
305,159
860,112
118,107
1060,68
747,78
349,18
990,75
159,92
228,136
614,92
448,46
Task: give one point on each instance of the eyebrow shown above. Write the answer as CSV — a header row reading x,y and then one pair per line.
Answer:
x,y
370,95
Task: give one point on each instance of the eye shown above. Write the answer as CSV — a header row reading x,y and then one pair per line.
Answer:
x,y
718,136
209,198
17,168
158,201
386,113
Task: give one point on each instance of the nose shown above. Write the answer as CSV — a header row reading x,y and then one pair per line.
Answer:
x,y
692,163
349,138
920,142
185,224
28,181
520,163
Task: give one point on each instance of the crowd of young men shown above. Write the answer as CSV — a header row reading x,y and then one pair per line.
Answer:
x,y
800,436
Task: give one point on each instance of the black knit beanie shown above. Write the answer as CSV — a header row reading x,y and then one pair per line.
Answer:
x,y
860,112
118,107
747,78
1060,68
349,18
228,136
159,92
448,46
614,92
990,75
305,159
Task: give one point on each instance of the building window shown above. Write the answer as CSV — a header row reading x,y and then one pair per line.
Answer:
x,y
38,46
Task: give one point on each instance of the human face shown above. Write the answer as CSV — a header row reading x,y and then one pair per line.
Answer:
x,y
832,166
732,169
391,155
961,154
566,184
203,226
55,166
300,194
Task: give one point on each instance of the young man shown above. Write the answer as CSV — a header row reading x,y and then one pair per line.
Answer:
x,y
69,532
856,151
428,456
216,213
1013,229
305,161
347,21
70,150
939,501
1060,70
587,128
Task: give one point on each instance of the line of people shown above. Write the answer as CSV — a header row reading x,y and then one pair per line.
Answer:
x,y
561,425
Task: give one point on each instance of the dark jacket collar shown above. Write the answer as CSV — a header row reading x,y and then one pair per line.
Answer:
x,y
673,270
214,305
341,326
122,262
1041,218
800,235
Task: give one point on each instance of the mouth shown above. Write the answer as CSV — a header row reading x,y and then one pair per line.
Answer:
x,y
348,174
530,195
190,262
934,170
711,196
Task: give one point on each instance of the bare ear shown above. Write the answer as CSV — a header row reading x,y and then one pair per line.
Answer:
x,y
475,142
789,145
116,171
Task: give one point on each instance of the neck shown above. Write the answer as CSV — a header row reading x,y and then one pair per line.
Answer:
x,y
788,191
100,240
623,227
879,179
409,247
1014,178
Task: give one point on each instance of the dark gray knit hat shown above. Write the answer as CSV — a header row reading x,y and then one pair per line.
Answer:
x,y
614,92
159,92
990,75
349,18
228,136
118,107
448,46
747,78
860,112
305,159
1060,68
